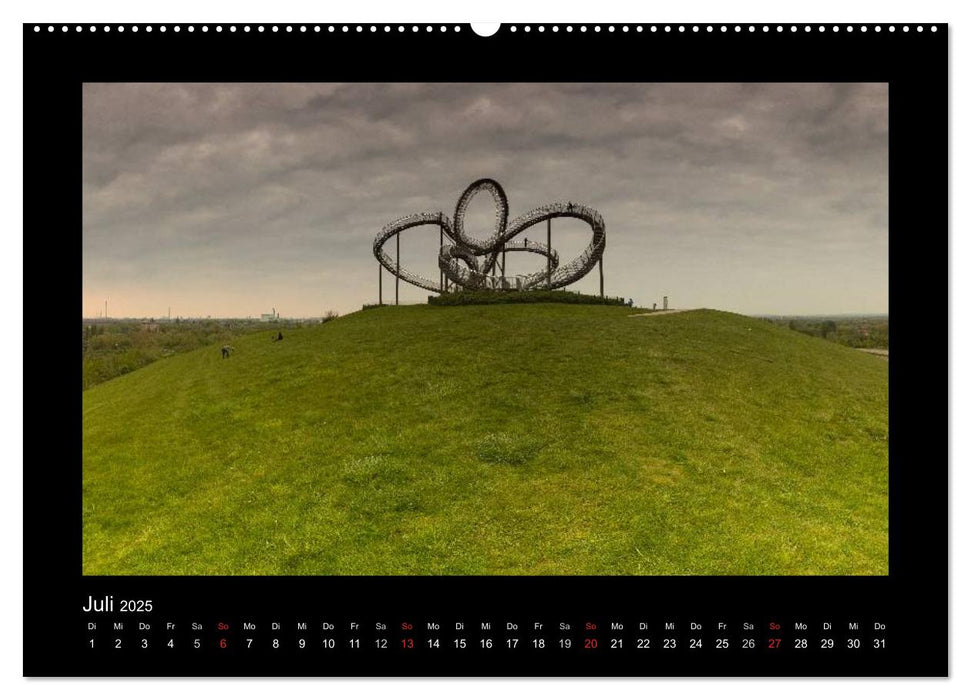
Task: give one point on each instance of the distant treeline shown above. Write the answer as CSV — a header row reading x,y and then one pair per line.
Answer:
x,y
856,332
112,348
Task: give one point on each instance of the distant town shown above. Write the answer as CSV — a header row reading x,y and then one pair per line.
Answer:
x,y
272,316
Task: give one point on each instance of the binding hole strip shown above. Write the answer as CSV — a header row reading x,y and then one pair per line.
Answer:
x,y
488,29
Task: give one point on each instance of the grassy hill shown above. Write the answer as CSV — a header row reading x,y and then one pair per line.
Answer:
x,y
533,439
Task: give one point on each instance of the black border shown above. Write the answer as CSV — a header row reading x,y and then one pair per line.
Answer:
x,y
911,601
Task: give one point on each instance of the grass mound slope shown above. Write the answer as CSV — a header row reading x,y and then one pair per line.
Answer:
x,y
506,439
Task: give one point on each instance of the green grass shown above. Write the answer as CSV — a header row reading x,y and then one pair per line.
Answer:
x,y
510,439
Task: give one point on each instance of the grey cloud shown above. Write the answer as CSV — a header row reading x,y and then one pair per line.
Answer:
x,y
287,184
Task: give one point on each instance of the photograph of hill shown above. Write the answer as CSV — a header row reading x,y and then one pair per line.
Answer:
x,y
660,347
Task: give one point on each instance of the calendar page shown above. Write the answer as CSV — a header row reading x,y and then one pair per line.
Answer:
x,y
560,351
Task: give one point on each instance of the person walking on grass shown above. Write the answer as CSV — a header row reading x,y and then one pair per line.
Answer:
x,y
226,350
279,336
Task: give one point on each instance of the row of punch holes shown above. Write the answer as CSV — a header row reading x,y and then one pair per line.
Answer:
x,y
345,28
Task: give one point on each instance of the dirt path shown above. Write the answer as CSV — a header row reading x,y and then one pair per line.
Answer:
x,y
885,354
659,313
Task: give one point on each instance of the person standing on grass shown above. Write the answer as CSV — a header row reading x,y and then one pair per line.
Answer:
x,y
226,350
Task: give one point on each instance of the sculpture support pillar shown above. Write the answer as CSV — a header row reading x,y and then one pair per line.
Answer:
x,y
549,247
397,266
601,264
379,284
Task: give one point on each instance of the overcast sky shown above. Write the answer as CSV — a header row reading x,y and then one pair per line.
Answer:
x,y
230,200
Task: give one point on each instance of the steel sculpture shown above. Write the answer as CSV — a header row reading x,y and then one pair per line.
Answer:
x,y
466,262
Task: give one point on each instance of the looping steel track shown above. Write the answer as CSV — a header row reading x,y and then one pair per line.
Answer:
x,y
469,263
